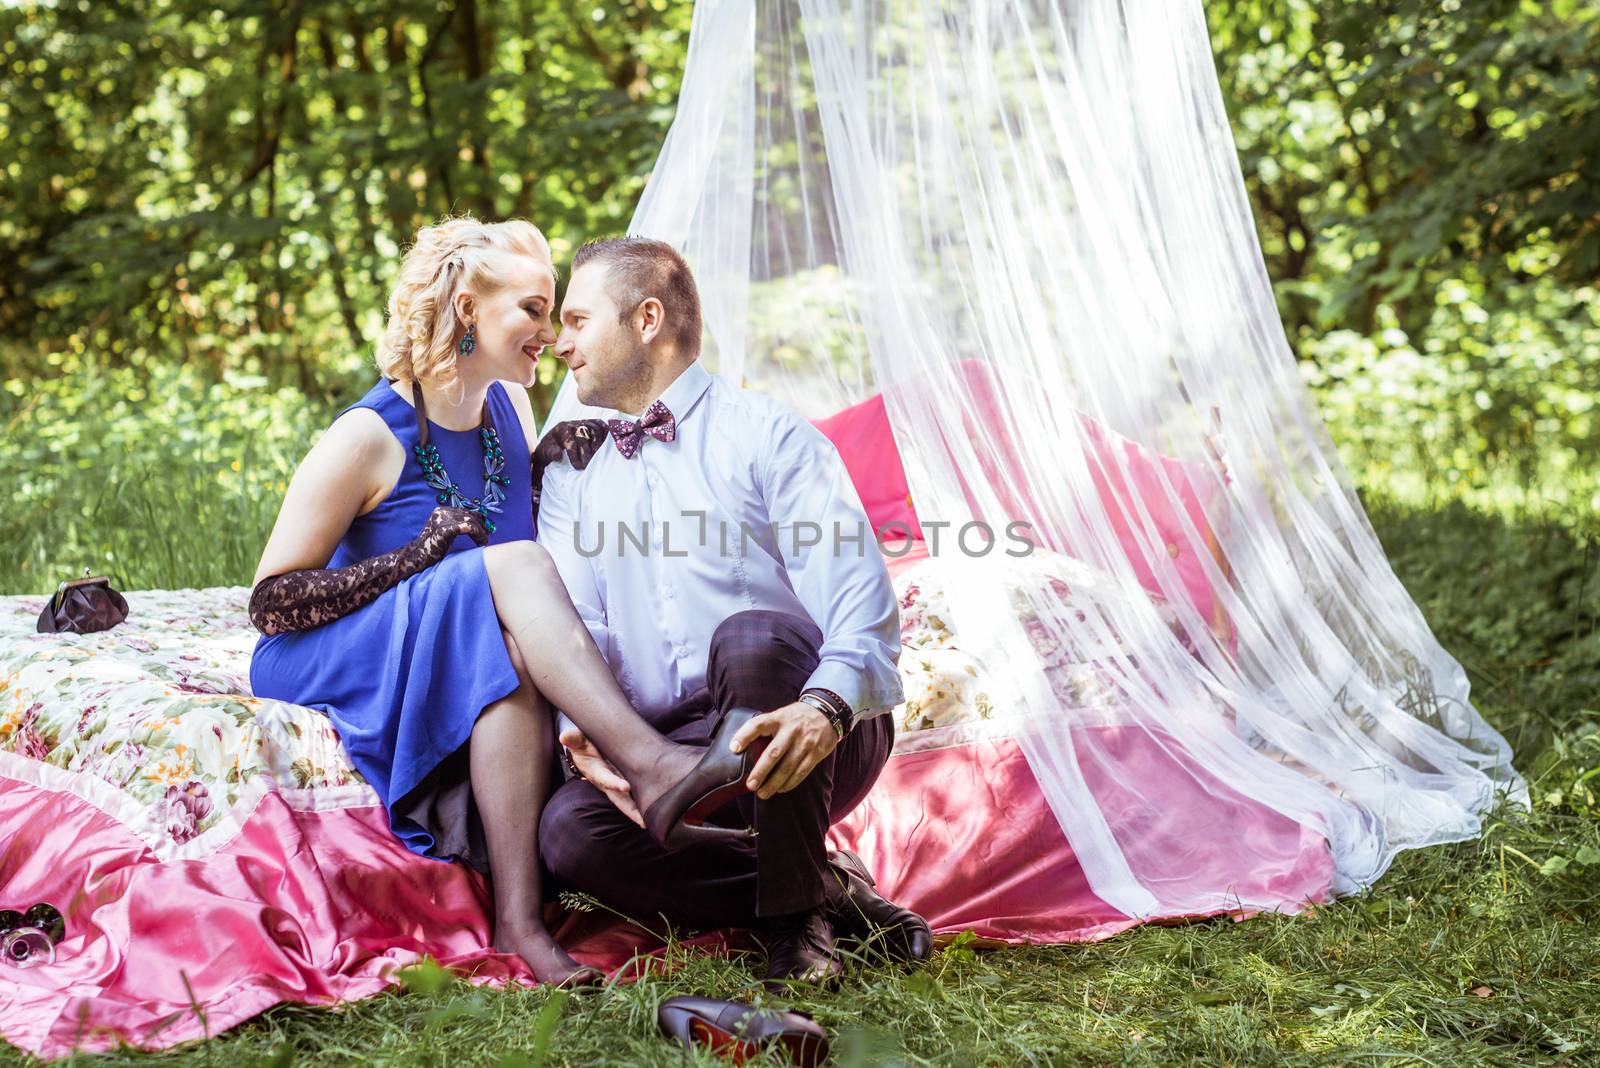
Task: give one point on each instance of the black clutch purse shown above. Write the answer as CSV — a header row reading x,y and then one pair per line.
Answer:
x,y
83,606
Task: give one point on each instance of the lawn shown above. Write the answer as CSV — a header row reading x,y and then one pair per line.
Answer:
x,y
1480,952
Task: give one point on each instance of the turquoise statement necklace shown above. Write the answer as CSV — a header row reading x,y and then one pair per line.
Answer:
x,y
434,474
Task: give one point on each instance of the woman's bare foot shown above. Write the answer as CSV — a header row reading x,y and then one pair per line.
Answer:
x,y
544,955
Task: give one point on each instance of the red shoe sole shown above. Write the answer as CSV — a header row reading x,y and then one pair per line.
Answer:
x,y
696,814
721,1043
801,1049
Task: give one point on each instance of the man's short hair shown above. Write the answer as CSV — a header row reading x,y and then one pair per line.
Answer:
x,y
639,268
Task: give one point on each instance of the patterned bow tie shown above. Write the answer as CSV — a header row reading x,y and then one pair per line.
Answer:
x,y
658,422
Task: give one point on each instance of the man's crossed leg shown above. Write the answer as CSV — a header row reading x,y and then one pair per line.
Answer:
x,y
782,881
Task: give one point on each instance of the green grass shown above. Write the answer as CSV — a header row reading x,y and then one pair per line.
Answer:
x,y
161,481
1484,952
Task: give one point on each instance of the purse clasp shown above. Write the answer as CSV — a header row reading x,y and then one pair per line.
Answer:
x,y
89,578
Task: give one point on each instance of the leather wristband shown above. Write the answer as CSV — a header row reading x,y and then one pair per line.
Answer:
x,y
832,706
572,765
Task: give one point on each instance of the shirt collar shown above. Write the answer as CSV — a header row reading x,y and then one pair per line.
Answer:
x,y
681,394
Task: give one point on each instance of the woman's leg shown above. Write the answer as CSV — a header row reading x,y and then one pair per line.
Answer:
x,y
510,762
569,671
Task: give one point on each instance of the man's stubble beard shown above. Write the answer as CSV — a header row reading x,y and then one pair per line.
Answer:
x,y
633,380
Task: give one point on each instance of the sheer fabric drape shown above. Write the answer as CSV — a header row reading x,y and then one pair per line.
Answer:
x,y
1024,222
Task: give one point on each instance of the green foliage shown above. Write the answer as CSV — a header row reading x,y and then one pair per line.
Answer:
x,y
158,478
231,186
1497,405
1390,146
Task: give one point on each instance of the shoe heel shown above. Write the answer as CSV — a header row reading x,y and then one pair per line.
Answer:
x,y
684,835
691,828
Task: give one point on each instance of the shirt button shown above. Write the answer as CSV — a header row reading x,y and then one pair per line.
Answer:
x,y
666,591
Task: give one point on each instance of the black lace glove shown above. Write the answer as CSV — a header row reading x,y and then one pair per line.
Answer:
x,y
573,440
301,600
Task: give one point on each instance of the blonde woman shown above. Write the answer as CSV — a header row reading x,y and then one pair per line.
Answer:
x,y
401,591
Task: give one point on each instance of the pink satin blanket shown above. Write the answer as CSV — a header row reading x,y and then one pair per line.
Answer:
x,y
322,906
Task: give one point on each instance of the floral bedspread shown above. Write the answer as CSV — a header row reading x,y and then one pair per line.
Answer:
x,y
153,720
946,687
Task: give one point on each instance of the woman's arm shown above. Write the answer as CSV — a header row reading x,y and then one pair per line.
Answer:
x,y
346,474
524,407
575,440
310,597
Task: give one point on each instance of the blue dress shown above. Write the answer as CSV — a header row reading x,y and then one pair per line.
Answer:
x,y
404,678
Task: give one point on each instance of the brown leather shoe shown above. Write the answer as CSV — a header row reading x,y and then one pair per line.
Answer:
x,y
738,1033
800,949
859,912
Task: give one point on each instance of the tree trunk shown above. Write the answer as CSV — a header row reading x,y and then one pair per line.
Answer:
x,y
443,161
473,48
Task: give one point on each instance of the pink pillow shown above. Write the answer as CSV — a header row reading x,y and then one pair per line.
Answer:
x,y
866,444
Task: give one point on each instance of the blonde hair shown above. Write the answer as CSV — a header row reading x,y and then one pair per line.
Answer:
x,y
419,342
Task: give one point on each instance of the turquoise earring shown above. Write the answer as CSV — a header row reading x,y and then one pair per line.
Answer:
x,y
469,341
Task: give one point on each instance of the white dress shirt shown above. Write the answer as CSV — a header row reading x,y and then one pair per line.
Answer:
x,y
749,507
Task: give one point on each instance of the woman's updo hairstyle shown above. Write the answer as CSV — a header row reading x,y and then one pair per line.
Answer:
x,y
419,342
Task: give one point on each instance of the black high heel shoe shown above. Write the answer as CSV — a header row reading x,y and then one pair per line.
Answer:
x,y
739,1032
677,818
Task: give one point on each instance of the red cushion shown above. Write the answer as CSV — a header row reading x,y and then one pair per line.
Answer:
x,y
866,444
865,441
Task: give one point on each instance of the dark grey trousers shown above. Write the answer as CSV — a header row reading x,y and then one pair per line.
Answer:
x,y
758,659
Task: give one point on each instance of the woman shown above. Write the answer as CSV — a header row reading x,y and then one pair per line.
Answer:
x,y
401,592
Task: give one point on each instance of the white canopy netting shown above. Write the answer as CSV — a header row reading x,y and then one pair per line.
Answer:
x,y
1023,222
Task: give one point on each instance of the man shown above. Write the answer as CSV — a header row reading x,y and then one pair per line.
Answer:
x,y
721,559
